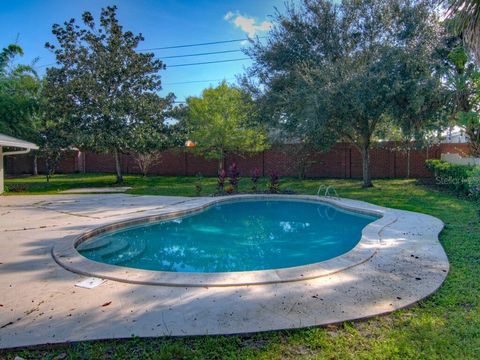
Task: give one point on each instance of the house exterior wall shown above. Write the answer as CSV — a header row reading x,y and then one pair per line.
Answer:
x,y
1,170
460,160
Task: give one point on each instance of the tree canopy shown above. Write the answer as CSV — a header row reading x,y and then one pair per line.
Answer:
x,y
462,83
339,68
103,85
221,121
19,95
465,16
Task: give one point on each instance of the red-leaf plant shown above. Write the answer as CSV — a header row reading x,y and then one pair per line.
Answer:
x,y
233,176
222,175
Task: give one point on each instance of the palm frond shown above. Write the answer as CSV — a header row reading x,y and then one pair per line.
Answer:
x,y
465,15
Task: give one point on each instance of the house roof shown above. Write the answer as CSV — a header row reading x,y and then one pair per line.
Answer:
x,y
10,141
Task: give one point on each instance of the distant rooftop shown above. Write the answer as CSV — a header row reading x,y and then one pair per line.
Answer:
x,y
10,141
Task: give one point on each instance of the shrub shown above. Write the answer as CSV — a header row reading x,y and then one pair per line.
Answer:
x,y
274,183
146,160
474,182
233,176
255,176
459,178
198,184
16,188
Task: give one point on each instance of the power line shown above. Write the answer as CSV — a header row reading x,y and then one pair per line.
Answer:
x,y
184,46
207,62
200,54
178,65
44,65
196,81
200,44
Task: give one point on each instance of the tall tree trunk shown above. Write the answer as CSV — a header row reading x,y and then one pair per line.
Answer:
x,y
35,165
367,179
474,140
408,163
220,163
48,166
118,168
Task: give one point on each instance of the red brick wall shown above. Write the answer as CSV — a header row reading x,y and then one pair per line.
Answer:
x,y
341,161
24,164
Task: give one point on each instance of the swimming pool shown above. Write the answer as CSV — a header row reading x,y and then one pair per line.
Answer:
x,y
234,236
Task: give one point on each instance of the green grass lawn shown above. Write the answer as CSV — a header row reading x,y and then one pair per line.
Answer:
x,y
444,326
151,185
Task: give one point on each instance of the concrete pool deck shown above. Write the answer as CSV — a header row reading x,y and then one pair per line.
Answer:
x,y
40,304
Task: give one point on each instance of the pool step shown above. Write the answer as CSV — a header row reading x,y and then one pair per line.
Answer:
x,y
128,255
94,245
112,249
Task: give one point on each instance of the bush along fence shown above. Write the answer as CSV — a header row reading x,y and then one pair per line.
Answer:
x,y
341,161
463,179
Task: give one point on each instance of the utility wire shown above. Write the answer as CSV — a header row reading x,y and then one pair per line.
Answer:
x,y
200,44
196,81
44,65
199,54
184,46
207,62
178,65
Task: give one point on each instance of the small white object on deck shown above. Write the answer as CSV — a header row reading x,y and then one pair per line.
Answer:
x,y
90,283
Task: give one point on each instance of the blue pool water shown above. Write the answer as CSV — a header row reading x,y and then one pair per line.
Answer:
x,y
234,236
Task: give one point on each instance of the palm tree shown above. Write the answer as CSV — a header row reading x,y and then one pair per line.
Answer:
x,y
466,21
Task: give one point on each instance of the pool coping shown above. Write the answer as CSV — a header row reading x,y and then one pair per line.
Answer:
x,y
67,256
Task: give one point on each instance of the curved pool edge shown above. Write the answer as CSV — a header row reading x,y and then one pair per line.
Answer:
x,y
67,256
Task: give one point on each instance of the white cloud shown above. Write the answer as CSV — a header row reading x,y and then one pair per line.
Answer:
x,y
228,15
247,24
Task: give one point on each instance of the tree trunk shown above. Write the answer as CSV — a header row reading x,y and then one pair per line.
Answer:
x,y
35,165
367,180
474,141
118,168
474,148
48,166
220,164
408,164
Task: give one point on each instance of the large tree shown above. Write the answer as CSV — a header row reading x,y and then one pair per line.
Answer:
x,y
102,84
418,102
462,87
221,121
336,68
25,111
19,94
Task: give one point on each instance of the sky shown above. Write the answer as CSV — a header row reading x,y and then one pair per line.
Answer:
x,y
163,23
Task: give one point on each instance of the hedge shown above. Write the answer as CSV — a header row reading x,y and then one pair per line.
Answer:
x,y
463,179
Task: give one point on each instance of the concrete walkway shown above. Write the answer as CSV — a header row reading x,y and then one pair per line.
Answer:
x,y
39,303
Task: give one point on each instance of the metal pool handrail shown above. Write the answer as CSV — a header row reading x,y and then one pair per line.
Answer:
x,y
328,190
